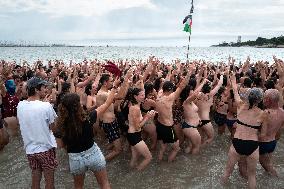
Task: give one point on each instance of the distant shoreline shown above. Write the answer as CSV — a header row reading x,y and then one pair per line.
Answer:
x,y
260,42
257,46
43,46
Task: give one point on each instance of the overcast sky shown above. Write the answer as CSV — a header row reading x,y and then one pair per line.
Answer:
x,y
138,22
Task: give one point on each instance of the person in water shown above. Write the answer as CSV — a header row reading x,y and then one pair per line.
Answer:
x,y
9,106
245,141
274,120
37,120
136,121
4,137
164,127
76,133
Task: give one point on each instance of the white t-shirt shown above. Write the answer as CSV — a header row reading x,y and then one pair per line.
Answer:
x,y
34,119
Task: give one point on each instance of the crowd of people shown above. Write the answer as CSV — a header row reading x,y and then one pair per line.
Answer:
x,y
147,106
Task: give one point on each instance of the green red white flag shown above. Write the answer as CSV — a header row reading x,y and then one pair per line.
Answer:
x,y
188,25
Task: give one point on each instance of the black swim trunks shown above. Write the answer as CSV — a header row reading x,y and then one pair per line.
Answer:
x,y
230,123
166,133
134,138
111,130
267,147
220,119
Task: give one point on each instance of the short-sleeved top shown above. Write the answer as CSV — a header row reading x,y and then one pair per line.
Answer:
x,y
35,118
86,140
9,105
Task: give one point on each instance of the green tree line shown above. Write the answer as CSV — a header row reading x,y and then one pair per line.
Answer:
x,y
260,41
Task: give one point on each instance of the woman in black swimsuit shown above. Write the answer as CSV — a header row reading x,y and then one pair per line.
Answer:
x,y
245,141
136,122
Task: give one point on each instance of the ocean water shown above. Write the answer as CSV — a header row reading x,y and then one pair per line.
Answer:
x,y
77,54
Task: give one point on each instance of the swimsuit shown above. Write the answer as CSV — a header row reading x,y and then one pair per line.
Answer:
x,y
111,130
220,119
203,122
185,125
134,138
245,147
267,147
166,133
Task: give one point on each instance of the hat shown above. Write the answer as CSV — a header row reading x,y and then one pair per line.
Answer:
x,y
35,81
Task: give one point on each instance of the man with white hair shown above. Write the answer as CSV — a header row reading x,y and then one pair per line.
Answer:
x,y
273,121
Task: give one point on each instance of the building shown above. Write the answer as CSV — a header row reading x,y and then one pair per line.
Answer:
x,y
239,39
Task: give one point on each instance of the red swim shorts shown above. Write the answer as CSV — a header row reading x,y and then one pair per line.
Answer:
x,y
43,160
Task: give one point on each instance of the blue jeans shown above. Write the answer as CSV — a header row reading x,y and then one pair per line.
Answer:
x,y
92,159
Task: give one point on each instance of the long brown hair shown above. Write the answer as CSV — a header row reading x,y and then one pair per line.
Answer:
x,y
71,116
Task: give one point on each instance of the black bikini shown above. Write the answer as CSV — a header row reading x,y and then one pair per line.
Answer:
x,y
247,125
245,147
203,122
185,125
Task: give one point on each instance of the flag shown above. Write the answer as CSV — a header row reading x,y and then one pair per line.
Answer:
x,y
112,68
188,24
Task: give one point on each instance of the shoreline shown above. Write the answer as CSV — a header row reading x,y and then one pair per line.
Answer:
x,y
264,46
213,46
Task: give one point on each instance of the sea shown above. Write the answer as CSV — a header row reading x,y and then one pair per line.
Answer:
x,y
166,54
198,172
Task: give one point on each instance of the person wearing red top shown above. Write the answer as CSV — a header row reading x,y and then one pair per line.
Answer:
x,y
9,106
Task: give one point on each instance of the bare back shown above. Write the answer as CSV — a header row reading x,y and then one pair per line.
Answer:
x,y
274,122
251,117
164,107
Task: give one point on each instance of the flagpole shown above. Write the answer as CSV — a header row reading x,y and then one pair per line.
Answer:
x,y
187,55
191,12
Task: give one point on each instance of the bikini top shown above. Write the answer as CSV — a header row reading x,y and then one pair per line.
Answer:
x,y
247,125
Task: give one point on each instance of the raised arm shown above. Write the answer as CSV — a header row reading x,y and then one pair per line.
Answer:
x,y
84,83
183,83
235,89
125,85
101,109
217,87
192,97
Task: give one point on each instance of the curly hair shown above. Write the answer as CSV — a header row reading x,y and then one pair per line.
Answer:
x,y
71,116
255,96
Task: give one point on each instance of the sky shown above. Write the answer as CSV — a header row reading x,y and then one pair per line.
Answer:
x,y
138,22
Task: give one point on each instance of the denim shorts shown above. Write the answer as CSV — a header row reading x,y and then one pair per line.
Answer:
x,y
91,159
